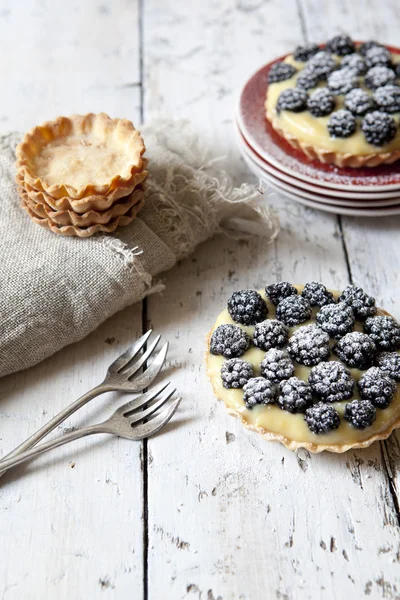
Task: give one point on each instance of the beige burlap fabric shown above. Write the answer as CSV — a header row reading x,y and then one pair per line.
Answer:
x,y
55,290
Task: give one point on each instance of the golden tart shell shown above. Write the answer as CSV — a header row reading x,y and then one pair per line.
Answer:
x,y
91,217
90,203
81,156
83,232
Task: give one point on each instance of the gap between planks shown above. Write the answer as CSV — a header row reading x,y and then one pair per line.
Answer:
x,y
145,326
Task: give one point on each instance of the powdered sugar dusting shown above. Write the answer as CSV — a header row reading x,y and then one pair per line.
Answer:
x,y
272,147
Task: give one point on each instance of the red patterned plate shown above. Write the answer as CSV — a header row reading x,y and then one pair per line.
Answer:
x,y
377,198
321,198
273,148
322,204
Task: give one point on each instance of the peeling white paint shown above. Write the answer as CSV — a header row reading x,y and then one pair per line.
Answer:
x,y
229,516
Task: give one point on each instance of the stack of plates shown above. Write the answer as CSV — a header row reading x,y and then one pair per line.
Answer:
x,y
370,192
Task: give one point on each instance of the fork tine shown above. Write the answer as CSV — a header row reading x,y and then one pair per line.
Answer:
x,y
146,378
139,363
154,425
141,400
127,356
138,416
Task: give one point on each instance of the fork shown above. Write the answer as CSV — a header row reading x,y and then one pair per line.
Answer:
x,y
120,377
127,422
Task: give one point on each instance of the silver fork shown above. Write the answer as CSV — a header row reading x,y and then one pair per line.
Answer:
x,y
127,422
120,377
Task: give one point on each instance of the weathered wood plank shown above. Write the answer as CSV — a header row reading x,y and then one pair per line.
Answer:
x,y
231,516
360,19
228,515
71,524
65,58
72,520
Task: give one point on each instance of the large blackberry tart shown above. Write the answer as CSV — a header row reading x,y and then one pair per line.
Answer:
x,y
326,381
339,103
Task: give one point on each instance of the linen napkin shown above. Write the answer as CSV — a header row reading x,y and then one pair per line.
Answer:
x,y
55,290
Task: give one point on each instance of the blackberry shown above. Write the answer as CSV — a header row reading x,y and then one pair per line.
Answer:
x,y
387,98
379,128
379,76
277,365
305,52
360,413
322,418
309,345
295,395
340,45
356,62
317,294
280,72
331,381
359,102
293,310
363,305
356,350
363,49
384,331
389,363
321,64
307,79
235,373
230,341
377,387
278,291
292,99
336,319
378,56
270,334
341,124
258,391
342,81
247,307
321,103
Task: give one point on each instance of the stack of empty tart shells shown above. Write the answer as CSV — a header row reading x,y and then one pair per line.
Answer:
x,y
81,175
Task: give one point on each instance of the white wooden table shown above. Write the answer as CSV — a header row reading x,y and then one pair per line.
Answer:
x,y
208,511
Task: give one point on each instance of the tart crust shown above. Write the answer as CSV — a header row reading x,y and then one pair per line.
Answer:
x,y
88,203
105,152
83,232
334,158
315,151
290,443
91,217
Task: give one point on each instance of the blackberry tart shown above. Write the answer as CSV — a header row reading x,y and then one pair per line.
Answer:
x,y
338,103
326,379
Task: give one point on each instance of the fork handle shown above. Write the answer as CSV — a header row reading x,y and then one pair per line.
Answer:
x,y
55,421
7,463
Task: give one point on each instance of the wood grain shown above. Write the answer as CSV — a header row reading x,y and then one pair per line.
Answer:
x,y
246,519
71,523
206,510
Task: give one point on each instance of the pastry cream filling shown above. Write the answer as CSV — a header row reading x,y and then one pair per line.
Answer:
x,y
82,160
313,130
271,418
